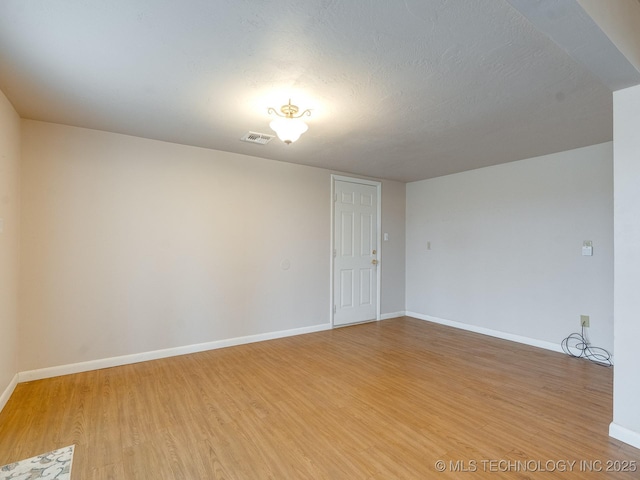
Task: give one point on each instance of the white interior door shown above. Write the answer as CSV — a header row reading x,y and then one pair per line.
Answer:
x,y
355,275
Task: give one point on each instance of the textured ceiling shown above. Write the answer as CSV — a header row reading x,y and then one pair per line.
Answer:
x,y
402,90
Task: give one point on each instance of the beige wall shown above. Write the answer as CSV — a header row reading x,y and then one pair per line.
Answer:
x,y
626,381
9,242
506,244
133,245
392,262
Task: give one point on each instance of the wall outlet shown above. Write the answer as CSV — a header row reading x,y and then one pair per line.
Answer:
x,y
584,320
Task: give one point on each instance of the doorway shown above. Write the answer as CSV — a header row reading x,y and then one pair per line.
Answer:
x,y
355,251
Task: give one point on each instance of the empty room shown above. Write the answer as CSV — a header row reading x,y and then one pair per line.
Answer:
x,y
319,240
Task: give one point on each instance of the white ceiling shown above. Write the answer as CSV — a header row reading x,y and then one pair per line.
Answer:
x,y
403,90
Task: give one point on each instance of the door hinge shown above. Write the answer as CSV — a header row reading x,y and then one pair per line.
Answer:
x,y
335,197
334,309
334,253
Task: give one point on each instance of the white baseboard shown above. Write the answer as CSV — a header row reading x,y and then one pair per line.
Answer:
x,y
556,347
387,316
624,435
157,354
4,398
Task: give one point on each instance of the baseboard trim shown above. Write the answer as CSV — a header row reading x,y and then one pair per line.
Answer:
x,y
4,398
487,331
624,435
56,371
387,316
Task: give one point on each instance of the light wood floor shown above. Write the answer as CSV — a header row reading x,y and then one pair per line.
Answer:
x,y
383,400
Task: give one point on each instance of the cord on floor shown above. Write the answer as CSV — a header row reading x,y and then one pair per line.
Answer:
x,y
578,346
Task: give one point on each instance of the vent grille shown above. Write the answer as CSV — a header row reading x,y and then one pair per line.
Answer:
x,y
255,137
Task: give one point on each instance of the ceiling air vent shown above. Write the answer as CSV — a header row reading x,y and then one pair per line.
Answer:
x,y
259,138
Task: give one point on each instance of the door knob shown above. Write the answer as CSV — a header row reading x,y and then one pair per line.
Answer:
x,y
374,261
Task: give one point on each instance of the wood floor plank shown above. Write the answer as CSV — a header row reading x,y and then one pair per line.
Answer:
x,y
374,401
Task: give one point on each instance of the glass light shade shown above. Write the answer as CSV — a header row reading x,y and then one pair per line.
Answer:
x,y
288,129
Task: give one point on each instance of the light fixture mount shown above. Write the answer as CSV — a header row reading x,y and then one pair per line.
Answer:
x,y
289,111
288,126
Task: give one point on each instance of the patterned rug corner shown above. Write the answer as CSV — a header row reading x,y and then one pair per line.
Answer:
x,y
52,465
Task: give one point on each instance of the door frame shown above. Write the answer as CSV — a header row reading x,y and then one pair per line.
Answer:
x,y
378,185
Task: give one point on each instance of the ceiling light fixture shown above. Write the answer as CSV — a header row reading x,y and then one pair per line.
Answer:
x,y
288,126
